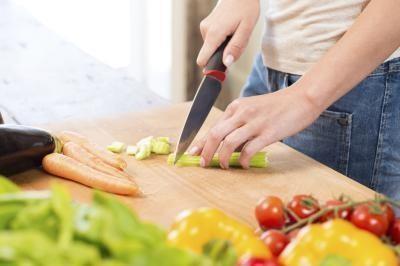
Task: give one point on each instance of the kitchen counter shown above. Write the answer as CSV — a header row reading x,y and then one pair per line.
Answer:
x,y
170,189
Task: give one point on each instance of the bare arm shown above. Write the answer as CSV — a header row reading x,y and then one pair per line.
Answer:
x,y
374,36
262,120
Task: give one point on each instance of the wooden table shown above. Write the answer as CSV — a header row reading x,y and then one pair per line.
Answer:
x,y
172,189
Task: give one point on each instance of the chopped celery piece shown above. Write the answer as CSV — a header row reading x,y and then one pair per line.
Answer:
x,y
143,152
161,147
116,147
163,139
131,150
145,141
259,160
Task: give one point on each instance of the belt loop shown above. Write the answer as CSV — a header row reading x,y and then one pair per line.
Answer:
x,y
285,80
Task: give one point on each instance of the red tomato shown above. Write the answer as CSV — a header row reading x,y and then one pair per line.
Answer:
x,y
293,234
303,206
389,213
270,213
275,240
395,231
371,218
258,262
343,214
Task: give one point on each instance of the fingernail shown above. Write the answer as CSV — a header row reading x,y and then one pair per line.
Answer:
x,y
202,162
193,150
228,60
223,166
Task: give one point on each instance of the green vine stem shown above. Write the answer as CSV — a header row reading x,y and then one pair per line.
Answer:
x,y
335,209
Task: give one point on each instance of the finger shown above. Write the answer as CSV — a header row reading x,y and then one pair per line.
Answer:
x,y
215,137
213,40
232,142
197,146
251,148
237,44
203,28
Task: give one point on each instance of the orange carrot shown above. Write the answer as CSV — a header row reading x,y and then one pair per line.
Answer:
x,y
75,151
105,155
66,167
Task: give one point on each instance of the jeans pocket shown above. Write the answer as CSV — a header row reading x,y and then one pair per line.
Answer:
x,y
327,140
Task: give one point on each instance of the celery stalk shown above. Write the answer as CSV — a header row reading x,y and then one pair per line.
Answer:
x,y
163,139
116,147
143,152
259,160
145,141
132,150
161,147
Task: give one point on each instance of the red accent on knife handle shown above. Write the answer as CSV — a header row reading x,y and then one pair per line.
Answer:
x,y
215,66
219,75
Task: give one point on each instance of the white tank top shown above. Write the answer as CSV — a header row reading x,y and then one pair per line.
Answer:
x,y
299,32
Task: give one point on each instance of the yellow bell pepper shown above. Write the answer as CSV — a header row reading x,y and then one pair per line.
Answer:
x,y
337,243
194,228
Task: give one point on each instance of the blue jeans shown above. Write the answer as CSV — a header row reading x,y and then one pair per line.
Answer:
x,y
359,135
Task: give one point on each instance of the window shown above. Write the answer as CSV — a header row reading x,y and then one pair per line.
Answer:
x,y
129,35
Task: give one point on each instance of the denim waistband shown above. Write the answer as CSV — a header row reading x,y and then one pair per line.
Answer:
x,y
392,65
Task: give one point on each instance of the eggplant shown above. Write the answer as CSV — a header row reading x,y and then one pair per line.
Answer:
x,y
23,147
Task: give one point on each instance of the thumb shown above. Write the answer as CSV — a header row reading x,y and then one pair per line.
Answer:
x,y
237,44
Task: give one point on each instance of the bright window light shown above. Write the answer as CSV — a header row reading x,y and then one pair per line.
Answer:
x,y
101,28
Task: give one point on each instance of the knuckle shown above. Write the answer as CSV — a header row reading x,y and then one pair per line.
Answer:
x,y
234,105
214,134
250,110
237,47
203,25
268,134
229,143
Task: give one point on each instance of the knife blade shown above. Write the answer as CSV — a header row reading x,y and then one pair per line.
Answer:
x,y
206,95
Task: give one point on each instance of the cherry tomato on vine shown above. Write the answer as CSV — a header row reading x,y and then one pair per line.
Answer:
x,y
343,214
258,262
275,240
303,206
370,217
395,231
270,213
389,213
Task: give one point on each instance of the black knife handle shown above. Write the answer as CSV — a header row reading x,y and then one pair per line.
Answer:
x,y
216,60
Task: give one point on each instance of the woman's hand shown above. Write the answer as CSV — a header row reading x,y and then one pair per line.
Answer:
x,y
229,17
256,122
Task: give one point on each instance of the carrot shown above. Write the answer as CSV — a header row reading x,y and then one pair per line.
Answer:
x,y
66,167
105,155
75,151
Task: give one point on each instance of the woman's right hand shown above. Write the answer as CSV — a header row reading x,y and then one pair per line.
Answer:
x,y
229,17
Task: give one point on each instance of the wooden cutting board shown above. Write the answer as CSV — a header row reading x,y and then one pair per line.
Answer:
x,y
170,190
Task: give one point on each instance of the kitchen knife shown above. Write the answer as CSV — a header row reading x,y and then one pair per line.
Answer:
x,y
206,95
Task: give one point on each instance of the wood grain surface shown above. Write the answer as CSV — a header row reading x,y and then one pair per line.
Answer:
x,y
170,190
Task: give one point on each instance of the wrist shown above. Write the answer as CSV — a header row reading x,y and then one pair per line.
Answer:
x,y
309,97
319,91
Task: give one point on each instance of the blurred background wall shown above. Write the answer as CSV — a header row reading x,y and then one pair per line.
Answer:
x,y
154,41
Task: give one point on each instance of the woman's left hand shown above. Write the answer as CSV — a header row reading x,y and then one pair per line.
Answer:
x,y
256,122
